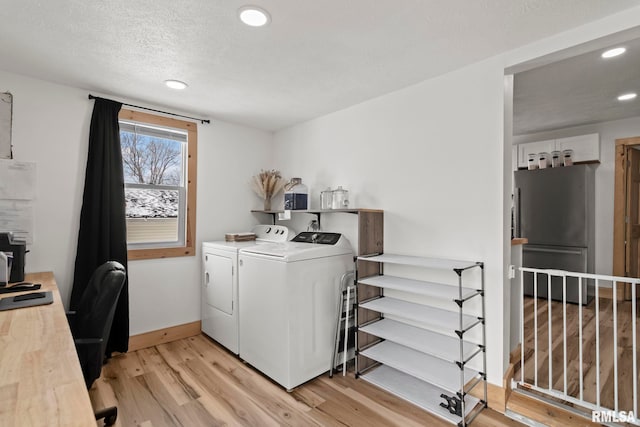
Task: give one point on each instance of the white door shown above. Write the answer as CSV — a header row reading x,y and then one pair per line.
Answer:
x,y
218,282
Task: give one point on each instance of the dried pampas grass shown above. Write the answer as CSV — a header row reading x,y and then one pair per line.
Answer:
x,y
267,184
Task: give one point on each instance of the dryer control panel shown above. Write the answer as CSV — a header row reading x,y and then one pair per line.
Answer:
x,y
317,237
272,233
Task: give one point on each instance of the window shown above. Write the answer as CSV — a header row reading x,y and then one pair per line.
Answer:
x,y
159,161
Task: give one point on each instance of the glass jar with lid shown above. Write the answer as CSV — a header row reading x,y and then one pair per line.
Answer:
x,y
567,156
326,198
544,160
340,199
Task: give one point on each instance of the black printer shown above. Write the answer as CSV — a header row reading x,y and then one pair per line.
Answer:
x,y
18,249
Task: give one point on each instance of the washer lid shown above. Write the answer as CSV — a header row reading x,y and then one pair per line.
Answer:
x,y
298,251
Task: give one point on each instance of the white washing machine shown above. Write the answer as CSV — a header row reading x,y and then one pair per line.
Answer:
x,y
220,283
289,293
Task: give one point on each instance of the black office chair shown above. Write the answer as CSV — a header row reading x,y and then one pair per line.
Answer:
x,y
91,324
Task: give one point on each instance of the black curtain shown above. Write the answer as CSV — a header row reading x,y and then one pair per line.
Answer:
x,y
102,234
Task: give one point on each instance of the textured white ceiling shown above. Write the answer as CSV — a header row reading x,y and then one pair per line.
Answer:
x,y
577,91
314,58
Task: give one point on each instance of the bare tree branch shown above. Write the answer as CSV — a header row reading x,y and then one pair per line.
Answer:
x,y
148,160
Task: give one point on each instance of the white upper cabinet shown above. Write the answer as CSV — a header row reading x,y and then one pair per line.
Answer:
x,y
534,148
585,148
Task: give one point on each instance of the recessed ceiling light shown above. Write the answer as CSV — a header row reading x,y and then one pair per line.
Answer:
x,y
627,96
175,84
613,52
254,16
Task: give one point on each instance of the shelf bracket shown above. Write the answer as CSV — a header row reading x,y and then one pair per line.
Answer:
x,y
271,214
463,300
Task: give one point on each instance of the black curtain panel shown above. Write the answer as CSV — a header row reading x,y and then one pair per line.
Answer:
x,y
102,235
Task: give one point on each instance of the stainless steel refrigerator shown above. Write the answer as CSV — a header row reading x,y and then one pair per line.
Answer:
x,y
554,210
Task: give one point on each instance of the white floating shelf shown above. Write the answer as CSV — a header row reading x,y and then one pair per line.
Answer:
x,y
420,313
417,364
425,262
421,394
429,342
437,290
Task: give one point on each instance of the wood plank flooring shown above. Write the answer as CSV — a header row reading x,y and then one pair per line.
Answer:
x,y
195,382
590,370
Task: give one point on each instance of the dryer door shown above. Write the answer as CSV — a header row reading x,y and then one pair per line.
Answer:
x,y
218,282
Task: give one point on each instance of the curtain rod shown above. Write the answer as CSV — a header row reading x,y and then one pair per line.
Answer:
x,y
156,111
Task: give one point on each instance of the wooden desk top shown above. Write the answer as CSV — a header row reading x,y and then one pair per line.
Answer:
x,y
41,382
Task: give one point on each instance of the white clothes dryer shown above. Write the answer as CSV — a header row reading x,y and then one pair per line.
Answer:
x,y
220,302
288,311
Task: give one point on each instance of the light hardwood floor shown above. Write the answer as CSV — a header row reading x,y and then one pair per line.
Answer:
x,y
194,382
589,371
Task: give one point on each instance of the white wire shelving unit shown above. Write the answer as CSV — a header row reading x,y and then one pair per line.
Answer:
x,y
422,364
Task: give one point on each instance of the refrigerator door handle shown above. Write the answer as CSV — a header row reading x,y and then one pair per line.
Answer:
x,y
554,251
516,204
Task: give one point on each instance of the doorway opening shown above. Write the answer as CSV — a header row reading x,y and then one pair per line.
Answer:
x,y
544,107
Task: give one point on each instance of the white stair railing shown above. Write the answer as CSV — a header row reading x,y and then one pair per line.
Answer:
x,y
592,310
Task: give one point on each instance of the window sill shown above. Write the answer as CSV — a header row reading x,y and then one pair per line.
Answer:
x,y
156,253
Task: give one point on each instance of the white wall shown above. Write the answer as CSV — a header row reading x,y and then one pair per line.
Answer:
x,y
433,157
438,180
609,132
51,128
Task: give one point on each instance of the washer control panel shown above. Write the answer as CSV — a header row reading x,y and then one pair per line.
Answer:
x,y
317,237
